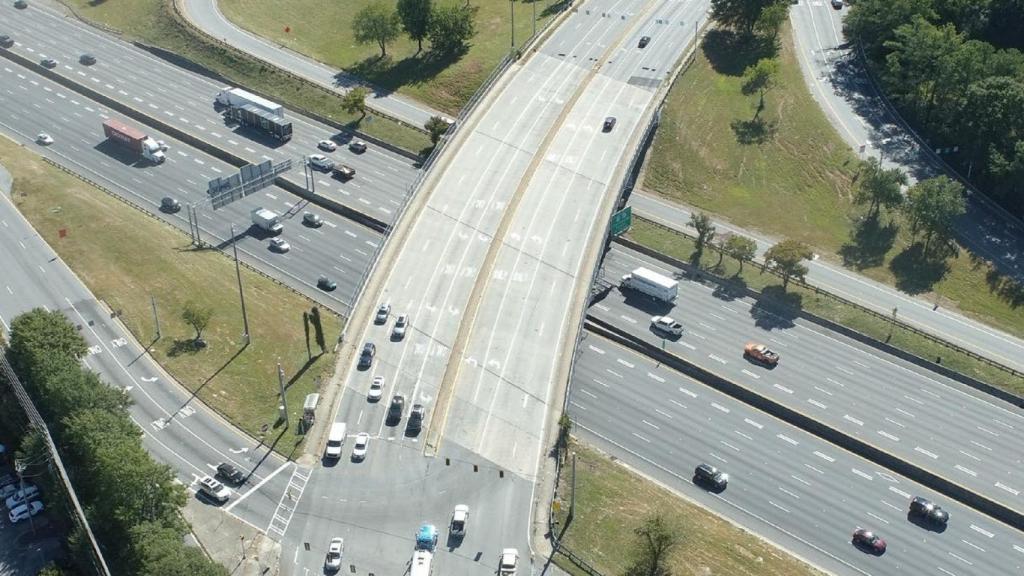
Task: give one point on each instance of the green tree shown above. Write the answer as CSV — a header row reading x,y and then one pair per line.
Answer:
x,y
158,549
705,228
415,17
741,248
760,78
932,207
771,19
38,334
354,101
198,317
740,15
376,23
873,22
436,127
879,186
451,28
787,258
655,539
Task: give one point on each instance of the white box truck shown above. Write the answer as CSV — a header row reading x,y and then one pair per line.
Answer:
x,y
237,98
652,284
267,220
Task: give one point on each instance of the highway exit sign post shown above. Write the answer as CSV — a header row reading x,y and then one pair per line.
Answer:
x,y
621,221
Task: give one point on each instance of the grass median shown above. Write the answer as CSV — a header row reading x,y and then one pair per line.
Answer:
x,y
789,174
126,257
154,22
611,501
788,303
323,30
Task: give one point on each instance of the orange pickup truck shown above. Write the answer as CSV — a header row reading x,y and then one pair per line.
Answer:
x,y
761,353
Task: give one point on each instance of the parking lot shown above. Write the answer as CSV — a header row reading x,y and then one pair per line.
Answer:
x,y
28,545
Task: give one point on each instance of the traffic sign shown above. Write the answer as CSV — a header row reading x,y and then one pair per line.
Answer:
x,y
621,221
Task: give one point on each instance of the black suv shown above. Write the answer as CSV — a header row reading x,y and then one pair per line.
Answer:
x,y
609,123
6,41
396,408
230,473
366,357
708,475
415,418
928,511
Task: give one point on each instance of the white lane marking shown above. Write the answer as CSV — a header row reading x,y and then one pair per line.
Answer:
x,y
825,457
814,402
641,437
717,359
1000,422
844,370
779,507
783,388
898,491
877,517
966,470
930,393
1007,488
972,545
754,424
687,392
613,373
928,453
969,455
595,349
905,413
751,374
800,480
849,418
719,407
885,434
815,468
960,558
891,421
677,403
663,413
588,393
688,345
980,445
655,377
624,363
627,319
651,425
727,445
600,382
742,435
787,439
944,571
784,491
822,390
987,431
1018,548
914,400
982,531
864,475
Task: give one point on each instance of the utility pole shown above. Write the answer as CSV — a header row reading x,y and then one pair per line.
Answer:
x,y
572,493
156,319
241,295
284,401
512,10
19,468
535,16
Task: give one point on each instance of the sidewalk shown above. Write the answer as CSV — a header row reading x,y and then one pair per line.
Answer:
x,y
239,547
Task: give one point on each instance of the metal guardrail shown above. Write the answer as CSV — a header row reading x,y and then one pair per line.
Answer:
x,y
36,421
878,315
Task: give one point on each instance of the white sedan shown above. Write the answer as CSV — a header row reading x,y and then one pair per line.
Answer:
x,y
280,245
327,145
44,139
321,162
335,551
22,512
361,445
376,389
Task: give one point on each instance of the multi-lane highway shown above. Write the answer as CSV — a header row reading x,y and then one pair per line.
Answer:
x,y
788,486
206,15
838,82
487,275
944,323
340,248
920,417
185,100
178,429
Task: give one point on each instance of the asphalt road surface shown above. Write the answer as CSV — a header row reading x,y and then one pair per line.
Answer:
x,y
207,17
917,311
920,417
184,99
340,248
177,429
529,181
788,486
840,85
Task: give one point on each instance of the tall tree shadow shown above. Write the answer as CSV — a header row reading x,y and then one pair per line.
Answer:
x,y
1007,289
730,53
869,242
754,131
776,308
390,75
916,271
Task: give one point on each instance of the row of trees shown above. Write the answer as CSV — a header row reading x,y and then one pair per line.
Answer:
x,y
955,70
131,501
448,27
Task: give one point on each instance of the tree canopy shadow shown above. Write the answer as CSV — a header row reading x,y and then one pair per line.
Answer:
x,y
182,346
869,242
554,8
1007,289
730,289
731,53
754,131
916,271
776,308
390,75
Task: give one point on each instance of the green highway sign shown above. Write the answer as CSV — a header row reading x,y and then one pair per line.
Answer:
x,y
621,221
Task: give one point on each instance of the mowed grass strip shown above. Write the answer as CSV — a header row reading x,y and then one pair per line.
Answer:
x,y
323,30
611,501
125,257
154,22
796,179
795,298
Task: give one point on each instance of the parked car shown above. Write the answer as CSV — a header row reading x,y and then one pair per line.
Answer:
x,y
928,511
326,284
710,476
415,418
761,353
230,473
376,389
366,356
383,311
87,59
357,146
23,511
335,550
312,220
21,496
321,162
214,490
327,146
609,123
666,325
401,323
169,205
362,443
867,539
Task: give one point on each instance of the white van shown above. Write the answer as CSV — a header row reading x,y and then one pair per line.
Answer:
x,y
335,440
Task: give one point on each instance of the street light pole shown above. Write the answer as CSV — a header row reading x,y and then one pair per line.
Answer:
x,y
512,28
